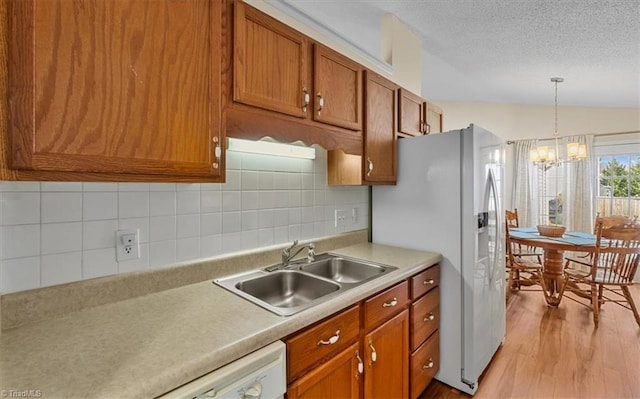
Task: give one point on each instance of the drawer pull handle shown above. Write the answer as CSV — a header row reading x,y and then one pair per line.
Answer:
x,y
369,167
428,365
391,304
374,354
428,282
332,340
360,364
430,317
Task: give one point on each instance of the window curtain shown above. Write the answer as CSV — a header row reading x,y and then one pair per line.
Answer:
x,y
579,183
524,196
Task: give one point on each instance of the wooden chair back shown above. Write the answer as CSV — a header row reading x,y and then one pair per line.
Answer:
x,y
610,221
512,218
617,254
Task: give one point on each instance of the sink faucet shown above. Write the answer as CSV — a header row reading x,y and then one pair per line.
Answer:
x,y
287,255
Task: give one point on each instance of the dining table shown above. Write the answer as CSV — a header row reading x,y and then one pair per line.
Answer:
x,y
553,255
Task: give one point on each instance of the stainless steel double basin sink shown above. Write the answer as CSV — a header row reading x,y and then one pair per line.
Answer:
x,y
301,285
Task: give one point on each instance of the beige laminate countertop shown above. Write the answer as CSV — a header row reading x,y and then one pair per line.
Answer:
x,y
146,346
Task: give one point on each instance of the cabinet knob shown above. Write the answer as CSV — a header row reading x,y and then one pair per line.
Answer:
x,y
370,166
217,152
429,365
332,340
253,391
320,102
428,129
430,317
306,98
428,282
391,303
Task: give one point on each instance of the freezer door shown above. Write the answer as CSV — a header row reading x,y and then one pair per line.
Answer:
x,y
483,292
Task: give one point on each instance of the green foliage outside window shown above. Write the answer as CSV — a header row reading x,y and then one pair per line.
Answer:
x,y
622,177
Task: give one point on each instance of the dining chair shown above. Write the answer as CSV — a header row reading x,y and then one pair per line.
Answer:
x,y
613,266
519,251
522,272
585,259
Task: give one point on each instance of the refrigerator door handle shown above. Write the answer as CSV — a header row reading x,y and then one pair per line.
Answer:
x,y
492,188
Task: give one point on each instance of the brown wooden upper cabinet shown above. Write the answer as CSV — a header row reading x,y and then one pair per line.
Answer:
x,y
411,114
416,116
272,72
337,83
269,63
381,110
434,118
115,90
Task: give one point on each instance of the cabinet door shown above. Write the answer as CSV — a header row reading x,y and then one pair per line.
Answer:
x,y
381,106
337,378
125,86
269,63
434,118
338,89
387,359
411,118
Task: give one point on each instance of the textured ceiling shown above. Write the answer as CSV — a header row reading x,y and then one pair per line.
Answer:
x,y
507,50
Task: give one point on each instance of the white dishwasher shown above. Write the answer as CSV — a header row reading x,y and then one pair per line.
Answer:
x,y
258,375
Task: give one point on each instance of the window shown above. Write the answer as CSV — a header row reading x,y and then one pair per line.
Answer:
x,y
618,185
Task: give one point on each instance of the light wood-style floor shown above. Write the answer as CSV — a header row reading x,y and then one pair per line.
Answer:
x,y
557,353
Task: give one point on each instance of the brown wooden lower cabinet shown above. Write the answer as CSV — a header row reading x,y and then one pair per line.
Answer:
x,y
387,347
374,349
337,378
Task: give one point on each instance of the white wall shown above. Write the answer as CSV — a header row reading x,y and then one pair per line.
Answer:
x,y
53,233
522,121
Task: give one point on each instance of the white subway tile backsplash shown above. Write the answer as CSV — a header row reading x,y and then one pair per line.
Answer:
x,y
210,201
20,274
99,187
162,253
61,268
61,237
188,226
61,207
162,203
99,263
249,180
60,186
133,204
188,249
231,201
20,241
20,208
249,220
188,202
98,234
231,222
210,245
99,205
65,232
250,200
19,186
210,224
162,228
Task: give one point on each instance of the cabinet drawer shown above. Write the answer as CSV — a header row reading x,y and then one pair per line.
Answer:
x,y
425,317
422,282
425,363
385,304
306,349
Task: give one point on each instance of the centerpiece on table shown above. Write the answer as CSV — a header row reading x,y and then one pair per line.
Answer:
x,y
551,230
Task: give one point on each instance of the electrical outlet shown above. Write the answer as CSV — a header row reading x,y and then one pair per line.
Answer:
x,y
127,245
354,215
341,219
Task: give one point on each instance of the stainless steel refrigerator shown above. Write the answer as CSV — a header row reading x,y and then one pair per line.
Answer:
x,y
448,199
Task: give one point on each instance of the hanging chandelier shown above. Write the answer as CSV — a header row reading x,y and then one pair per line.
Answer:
x,y
548,156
